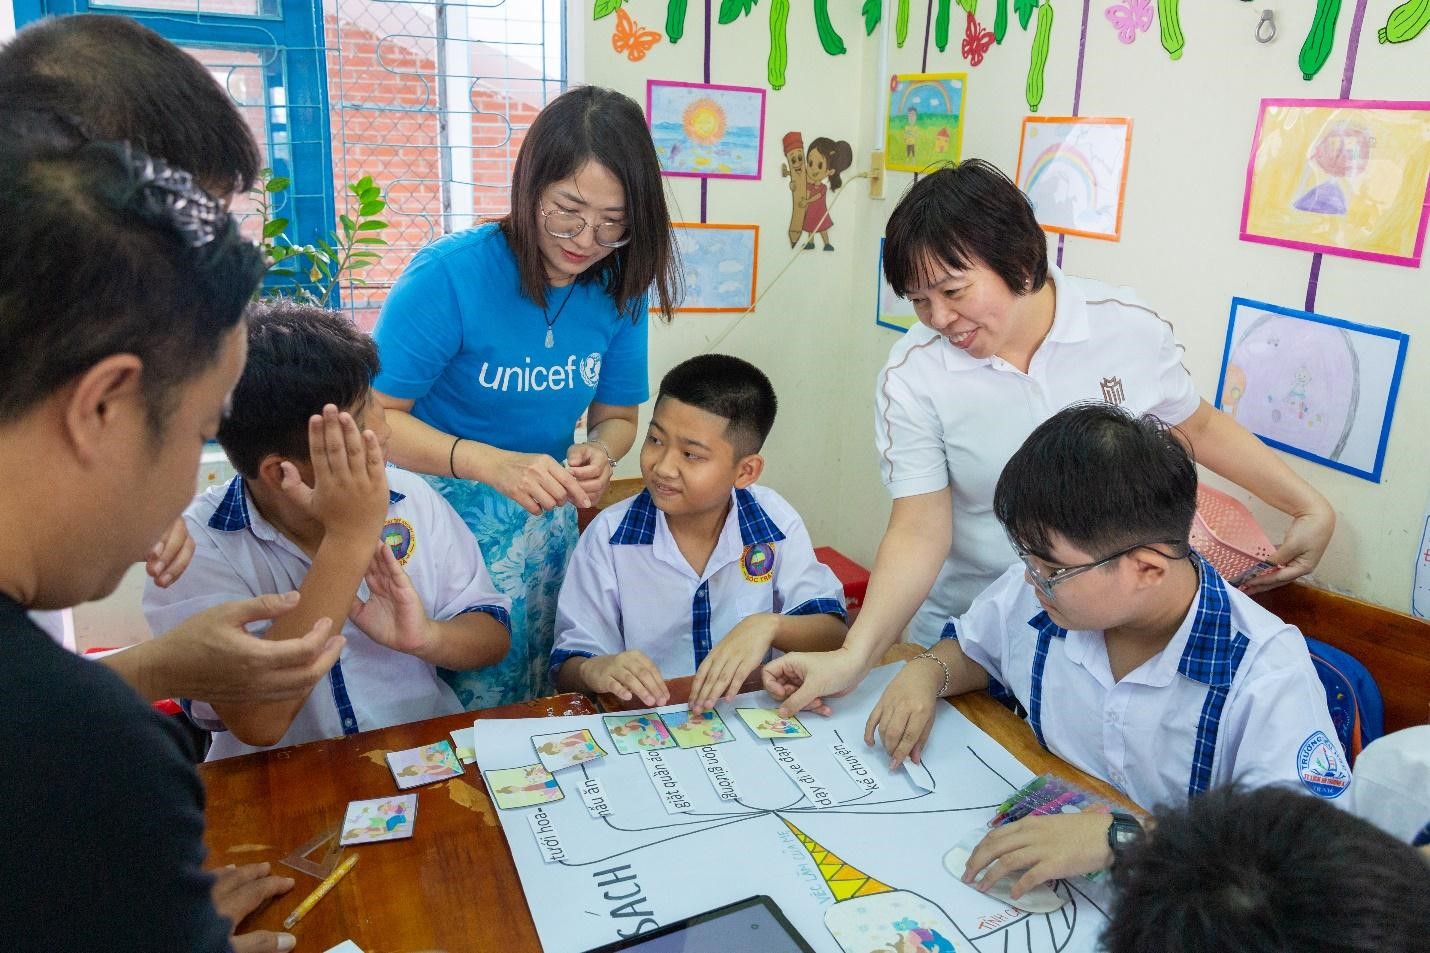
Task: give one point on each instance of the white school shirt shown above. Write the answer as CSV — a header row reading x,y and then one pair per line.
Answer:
x,y
239,554
945,418
629,587
1233,697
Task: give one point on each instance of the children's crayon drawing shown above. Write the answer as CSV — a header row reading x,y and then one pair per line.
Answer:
x,y
383,818
767,723
925,125
707,131
1074,172
696,731
891,311
424,765
632,734
566,749
719,263
1314,386
866,873
523,786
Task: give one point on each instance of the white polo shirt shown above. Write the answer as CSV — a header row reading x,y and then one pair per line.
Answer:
x,y
239,554
1233,697
944,418
629,587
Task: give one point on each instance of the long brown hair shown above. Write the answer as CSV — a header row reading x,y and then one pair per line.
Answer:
x,y
582,125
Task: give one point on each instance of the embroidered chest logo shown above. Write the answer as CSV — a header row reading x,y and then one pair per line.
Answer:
x,y
397,533
1112,390
758,562
1320,766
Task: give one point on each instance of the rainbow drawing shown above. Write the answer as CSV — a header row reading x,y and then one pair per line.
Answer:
x,y
925,122
1074,172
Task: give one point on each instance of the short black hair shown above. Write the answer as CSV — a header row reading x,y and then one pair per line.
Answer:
x,y
109,251
1268,871
590,123
1100,477
726,387
300,357
961,215
116,79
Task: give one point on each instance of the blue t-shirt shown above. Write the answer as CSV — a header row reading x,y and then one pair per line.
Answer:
x,y
458,337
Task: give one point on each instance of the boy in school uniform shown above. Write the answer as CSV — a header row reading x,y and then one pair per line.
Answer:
x,y
315,509
1131,657
703,572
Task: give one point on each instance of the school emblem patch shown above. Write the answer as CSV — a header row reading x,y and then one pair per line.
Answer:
x,y
758,562
1112,390
398,535
1321,767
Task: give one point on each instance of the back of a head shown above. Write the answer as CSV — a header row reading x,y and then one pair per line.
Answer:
x,y
116,79
1101,478
1268,871
726,387
111,252
300,357
961,215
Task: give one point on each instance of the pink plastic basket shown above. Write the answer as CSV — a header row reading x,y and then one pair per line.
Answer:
x,y
1225,532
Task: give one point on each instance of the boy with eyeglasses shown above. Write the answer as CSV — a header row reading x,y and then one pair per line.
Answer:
x,y
1132,658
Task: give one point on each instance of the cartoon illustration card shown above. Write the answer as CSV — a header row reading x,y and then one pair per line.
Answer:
x,y
767,723
522,787
632,734
565,749
696,731
462,738
382,818
424,765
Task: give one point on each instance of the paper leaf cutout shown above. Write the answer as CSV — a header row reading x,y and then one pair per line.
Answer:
x,y
605,8
732,10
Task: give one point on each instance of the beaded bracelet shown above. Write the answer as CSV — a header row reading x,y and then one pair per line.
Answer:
x,y
947,675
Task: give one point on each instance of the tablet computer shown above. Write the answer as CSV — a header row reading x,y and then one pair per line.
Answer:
x,y
752,925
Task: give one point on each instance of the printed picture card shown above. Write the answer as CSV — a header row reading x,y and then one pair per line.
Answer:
x,y
632,734
418,766
696,731
382,818
566,749
522,787
767,723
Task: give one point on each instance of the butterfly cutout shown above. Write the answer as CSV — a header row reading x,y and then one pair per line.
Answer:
x,y
1128,17
976,42
631,39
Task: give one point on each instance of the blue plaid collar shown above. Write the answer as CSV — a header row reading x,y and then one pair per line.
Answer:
x,y
637,527
1209,656
232,512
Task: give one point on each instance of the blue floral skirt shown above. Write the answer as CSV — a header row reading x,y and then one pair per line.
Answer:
x,y
526,556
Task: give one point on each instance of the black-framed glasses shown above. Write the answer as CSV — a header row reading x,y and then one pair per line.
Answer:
x,y
1046,583
560,223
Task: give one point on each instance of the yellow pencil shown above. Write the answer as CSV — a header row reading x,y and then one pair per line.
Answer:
x,y
319,892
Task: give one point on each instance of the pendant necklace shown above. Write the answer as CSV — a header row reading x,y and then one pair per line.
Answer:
x,y
551,320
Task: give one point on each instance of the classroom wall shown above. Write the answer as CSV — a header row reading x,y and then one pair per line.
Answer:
x,y
1193,119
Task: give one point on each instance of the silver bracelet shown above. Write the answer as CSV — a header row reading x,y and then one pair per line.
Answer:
x,y
947,675
604,449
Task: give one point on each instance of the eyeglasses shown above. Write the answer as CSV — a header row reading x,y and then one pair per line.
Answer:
x,y
1046,583
562,224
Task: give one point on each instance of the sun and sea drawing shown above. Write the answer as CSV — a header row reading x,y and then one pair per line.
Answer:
x,y
706,130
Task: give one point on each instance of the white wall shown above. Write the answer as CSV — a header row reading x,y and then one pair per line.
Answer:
x,y
1192,124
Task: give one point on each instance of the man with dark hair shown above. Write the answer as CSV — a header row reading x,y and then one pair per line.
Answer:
x,y
1131,657
297,517
704,572
1267,871
121,293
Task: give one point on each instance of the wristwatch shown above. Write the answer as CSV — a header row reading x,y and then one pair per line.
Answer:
x,y
1124,830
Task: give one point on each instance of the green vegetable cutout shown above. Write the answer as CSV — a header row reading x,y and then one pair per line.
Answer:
x,y
831,41
1042,39
1171,26
1317,48
1024,9
901,24
605,8
675,20
1405,22
940,24
873,12
779,43
969,6
1000,21
732,10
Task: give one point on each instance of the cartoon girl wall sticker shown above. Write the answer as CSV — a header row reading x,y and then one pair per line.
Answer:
x,y
826,159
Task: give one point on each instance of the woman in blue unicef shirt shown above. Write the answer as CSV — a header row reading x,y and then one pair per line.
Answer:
x,y
496,339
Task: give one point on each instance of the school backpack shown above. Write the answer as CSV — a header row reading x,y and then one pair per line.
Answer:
x,y
1352,696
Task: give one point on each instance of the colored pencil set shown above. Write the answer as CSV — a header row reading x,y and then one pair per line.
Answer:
x,y
1047,794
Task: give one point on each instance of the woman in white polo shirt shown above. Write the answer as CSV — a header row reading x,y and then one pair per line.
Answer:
x,y
1005,341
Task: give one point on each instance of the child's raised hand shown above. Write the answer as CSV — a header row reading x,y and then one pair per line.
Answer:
x,y
732,659
349,493
1045,847
904,714
626,674
393,614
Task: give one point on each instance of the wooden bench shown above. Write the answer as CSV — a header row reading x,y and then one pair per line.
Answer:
x,y
1393,646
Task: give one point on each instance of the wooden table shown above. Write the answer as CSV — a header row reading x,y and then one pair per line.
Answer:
x,y
453,885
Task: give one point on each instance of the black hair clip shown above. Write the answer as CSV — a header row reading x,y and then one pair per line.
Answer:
x,y
165,196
